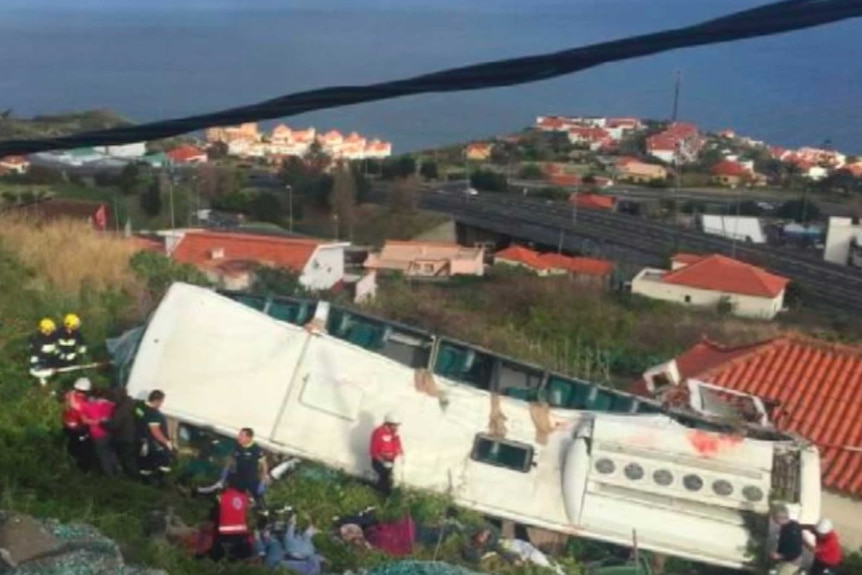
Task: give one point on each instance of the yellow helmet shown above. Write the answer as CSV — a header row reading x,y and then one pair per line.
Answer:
x,y
47,325
71,321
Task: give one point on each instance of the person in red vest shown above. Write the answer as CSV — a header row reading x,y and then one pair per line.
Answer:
x,y
230,514
385,449
826,549
78,442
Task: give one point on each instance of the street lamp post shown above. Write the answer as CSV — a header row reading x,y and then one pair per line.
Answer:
x,y
171,196
290,208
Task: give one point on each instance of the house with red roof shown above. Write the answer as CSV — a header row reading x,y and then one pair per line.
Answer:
x,y
427,260
680,143
187,154
230,259
592,137
478,151
715,281
555,264
809,387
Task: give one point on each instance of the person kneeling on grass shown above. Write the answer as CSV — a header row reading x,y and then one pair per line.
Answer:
x,y
295,551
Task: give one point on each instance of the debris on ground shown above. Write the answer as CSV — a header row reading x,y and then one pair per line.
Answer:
x,y
29,546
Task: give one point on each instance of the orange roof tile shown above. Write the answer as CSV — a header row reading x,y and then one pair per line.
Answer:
x,y
730,168
577,265
522,255
720,273
14,160
818,386
185,153
197,248
593,201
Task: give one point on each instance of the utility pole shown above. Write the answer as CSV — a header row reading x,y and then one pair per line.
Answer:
x,y
171,195
736,222
673,118
676,96
290,208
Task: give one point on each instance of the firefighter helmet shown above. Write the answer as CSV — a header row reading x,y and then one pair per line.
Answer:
x,y
71,321
47,325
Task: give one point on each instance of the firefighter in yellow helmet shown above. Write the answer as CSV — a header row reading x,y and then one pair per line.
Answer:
x,y
70,342
43,347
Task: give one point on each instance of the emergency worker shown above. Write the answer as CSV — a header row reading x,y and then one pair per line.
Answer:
x,y
230,514
156,445
43,347
78,442
384,450
826,549
70,342
247,465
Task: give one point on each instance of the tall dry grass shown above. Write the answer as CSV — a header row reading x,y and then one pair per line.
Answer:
x,y
68,255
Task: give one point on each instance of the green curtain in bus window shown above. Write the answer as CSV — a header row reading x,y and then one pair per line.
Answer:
x,y
283,311
502,454
449,361
622,404
559,392
647,408
521,393
256,302
602,400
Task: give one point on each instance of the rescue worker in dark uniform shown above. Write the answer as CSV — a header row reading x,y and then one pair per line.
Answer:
x,y
230,515
70,342
124,432
43,347
156,445
247,465
78,442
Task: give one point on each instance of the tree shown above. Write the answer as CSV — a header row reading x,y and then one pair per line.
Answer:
x,y
429,170
488,181
151,200
405,195
217,151
531,172
400,167
363,186
206,181
798,210
343,199
266,207
277,281
128,179
318,160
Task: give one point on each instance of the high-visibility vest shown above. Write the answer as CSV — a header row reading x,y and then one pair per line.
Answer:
x,y
233,507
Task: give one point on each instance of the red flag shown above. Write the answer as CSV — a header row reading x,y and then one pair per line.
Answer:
x,y
100,218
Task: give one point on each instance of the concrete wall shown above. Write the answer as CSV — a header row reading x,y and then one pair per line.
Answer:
x,y
324,269
743,305
846,516
838,236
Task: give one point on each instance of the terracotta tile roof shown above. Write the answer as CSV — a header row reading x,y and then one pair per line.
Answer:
x,y
593,201
541,262
720,273
729,168
565,179
818,387
577,265
201,249
521,255
589,133
14,161
186,153
57,208
855,170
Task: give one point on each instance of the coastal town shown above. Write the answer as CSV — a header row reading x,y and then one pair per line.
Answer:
x,y
536,267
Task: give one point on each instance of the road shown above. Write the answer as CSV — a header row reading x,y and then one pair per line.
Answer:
x,y
541,221
709,196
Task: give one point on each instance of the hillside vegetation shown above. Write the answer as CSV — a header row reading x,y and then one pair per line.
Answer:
x,y
12,128
63,267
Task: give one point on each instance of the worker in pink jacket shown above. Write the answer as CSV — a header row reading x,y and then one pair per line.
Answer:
x,y
95,412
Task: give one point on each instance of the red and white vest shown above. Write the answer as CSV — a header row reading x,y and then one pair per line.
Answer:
x,y
233,507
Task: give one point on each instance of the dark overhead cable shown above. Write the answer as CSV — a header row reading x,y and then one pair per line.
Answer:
x,y
775,18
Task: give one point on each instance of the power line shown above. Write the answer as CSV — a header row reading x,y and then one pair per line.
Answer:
x,y
775,18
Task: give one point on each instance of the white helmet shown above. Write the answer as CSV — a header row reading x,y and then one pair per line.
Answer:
x,y
824,526
392,418
83,384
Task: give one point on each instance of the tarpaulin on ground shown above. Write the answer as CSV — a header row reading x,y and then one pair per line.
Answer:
x,y
395,538
72,549
122,350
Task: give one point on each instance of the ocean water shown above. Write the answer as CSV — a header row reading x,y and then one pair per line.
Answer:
x,y
151,59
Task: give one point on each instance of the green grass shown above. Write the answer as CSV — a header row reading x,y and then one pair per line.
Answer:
x,y
37,478
59,124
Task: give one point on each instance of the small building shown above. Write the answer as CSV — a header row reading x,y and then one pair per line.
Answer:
x,y
230,259
478,151
187,154
582,268
433,260
844,242
131,151
741,228
96,214
14,165
712,281
810,387
635,171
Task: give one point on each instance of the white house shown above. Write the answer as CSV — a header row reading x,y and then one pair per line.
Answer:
x,y
708,281
231,259
844,242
